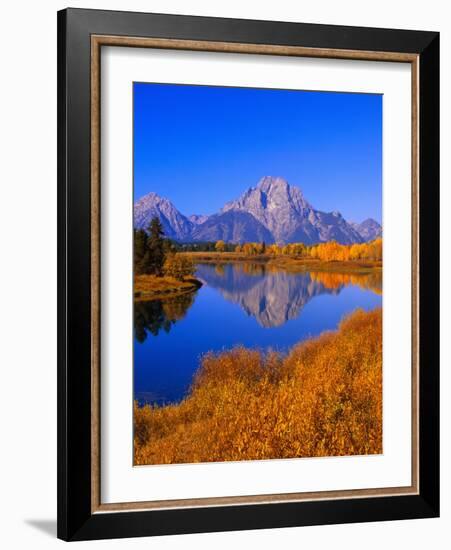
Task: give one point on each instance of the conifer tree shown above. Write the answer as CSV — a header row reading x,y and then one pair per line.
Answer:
x,y
139,251
155,247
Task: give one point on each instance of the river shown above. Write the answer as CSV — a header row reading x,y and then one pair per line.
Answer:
x,y
239,304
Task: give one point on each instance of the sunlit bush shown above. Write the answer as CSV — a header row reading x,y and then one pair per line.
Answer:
x,y
178,266
322,399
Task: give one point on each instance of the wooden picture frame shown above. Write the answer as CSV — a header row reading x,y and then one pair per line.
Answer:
x,y
81,35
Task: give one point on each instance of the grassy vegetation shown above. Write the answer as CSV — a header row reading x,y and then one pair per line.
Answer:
x,y
293,264
152,287
322,399
297,265
224,257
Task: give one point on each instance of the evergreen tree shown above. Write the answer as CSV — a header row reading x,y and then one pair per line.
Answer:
x,y
155,247
171,247
139,251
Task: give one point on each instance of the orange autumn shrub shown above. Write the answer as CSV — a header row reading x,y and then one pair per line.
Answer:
x,y
333,251
322,399
330,251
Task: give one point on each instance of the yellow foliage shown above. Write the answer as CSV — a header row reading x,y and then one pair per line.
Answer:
x,y
332,251
178,266
322,399
220,246
252,249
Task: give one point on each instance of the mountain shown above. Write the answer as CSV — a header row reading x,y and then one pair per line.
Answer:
x,y
175,225
368,229
276,204
197,219
273,211
283,209
234,227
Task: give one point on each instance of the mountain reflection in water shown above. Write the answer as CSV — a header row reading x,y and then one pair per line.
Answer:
x,y
241,304
275,296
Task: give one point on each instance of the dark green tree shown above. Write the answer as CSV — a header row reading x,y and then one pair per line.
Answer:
x,y
170,247
155,247
140,255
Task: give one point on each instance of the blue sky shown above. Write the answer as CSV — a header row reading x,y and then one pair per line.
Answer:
x,y
201,146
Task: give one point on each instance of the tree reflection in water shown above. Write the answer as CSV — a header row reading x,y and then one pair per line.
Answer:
x,y
273,296
152,316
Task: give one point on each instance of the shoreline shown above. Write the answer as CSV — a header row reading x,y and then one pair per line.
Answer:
x,y
245,404
288,263
151,287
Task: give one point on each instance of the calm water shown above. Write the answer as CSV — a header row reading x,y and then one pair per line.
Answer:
x,y
239,304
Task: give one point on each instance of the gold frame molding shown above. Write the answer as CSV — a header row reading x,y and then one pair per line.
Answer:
x,y
97,41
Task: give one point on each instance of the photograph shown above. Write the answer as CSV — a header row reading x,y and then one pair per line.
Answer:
x,y
248,283
257,261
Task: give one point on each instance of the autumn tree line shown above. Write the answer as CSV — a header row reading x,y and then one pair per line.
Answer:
x,y
156,255
153,254
330,251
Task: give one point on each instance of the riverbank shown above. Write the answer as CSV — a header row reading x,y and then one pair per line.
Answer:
x,y
322,399
289,263
300,265
151,287
225,257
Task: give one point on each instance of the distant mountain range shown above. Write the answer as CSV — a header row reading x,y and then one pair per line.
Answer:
x,y
368,229
273,211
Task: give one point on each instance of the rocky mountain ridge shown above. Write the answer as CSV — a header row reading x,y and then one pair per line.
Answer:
x,y
273,211
369,229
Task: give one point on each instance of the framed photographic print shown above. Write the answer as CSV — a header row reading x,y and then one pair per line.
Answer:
x,y
248,274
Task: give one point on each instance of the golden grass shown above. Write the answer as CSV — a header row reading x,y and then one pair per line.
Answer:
x,y
151,287
296,265
323,399
293,264
225,257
